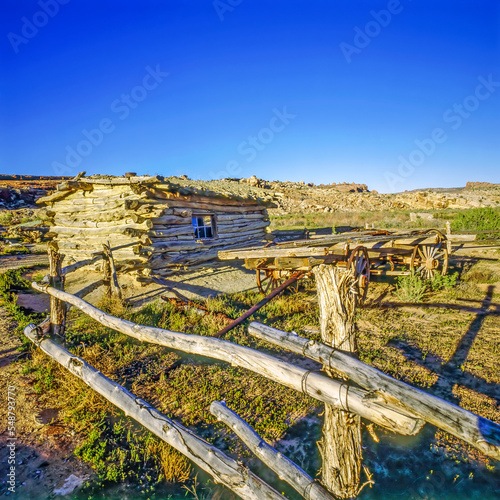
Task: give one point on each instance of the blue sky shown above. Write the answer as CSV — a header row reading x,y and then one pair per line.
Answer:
x,y
397,94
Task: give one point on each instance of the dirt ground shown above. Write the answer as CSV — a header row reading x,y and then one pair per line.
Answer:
x,y
44,461
28,260
45,465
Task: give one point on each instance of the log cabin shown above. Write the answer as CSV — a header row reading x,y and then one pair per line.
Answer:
x,y
155,224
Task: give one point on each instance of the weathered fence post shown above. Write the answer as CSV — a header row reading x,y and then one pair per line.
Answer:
x,y
340,446
110,276
448,234
56,280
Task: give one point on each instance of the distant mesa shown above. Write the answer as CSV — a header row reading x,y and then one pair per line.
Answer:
x,y
470,186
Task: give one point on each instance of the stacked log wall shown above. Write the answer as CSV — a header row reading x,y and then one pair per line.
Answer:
x,y
155,223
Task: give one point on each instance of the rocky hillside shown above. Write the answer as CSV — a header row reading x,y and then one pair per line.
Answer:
x,y
290,197
298,197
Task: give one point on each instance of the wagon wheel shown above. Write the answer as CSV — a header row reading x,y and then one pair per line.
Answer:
x,y
440,236
270,279
359,262
427,260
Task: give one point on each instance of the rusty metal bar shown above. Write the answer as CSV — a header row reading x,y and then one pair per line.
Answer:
x,y
290,281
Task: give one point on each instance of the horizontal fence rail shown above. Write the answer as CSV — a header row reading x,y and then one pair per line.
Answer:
x,y
285,468
315,384
222,468
480,432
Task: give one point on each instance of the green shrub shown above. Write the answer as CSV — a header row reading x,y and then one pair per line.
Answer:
x,y
6,218
440,281
411,288
10,281
477,219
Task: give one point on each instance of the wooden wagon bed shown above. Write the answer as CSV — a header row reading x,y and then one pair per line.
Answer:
x,y
367,253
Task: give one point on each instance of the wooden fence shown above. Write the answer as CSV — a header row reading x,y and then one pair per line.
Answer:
x,y
358,388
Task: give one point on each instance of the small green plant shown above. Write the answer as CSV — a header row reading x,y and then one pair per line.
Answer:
x,y
11,281
6,218
442,281
411,288
13,250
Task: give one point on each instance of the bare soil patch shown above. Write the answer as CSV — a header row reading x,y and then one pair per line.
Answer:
x,y
44,443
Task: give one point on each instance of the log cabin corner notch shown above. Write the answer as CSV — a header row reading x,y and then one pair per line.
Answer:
x,y
160,224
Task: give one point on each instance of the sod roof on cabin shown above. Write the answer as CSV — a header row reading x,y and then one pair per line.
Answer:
x,y
222,189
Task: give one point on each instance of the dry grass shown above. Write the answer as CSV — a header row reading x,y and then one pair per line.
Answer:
x,y
442,345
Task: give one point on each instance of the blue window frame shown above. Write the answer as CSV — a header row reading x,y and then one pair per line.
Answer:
x,y
204,226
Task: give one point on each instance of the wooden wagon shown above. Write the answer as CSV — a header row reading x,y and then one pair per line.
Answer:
x,y
367,253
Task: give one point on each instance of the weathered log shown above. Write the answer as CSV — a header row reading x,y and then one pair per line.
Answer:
x,y
126,181
69,244
170,220
315,384
218,199
182,212
95,231
479,432
243,232
259,252
223,469
221,240
106,275
56,280
186,229
340,446
102,215
89,241
69,249
51,198
108,254
198,207
161,246
286,469
102,206
74,186
105,191
83,200
238,217
241,226
86,223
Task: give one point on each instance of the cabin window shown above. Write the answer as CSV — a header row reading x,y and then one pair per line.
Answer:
x,y
204,226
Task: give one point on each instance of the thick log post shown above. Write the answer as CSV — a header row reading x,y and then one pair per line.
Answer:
x,y
56,280
340,445
108,254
